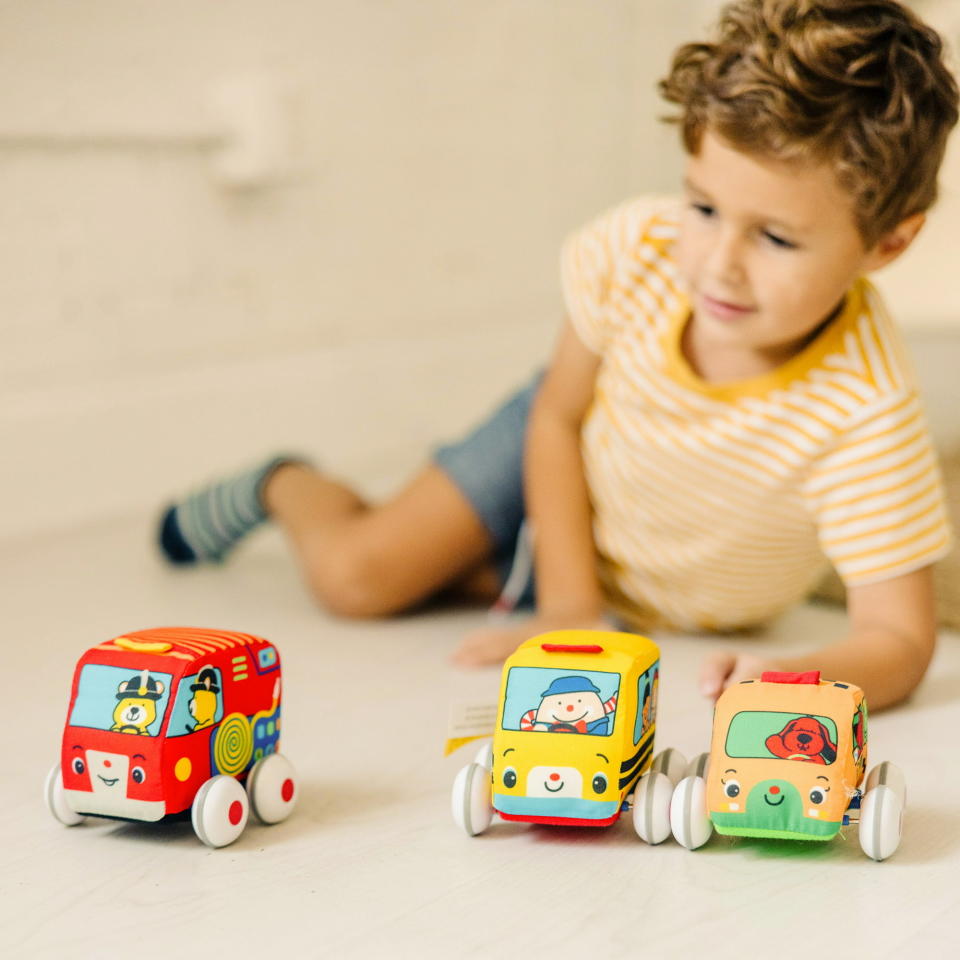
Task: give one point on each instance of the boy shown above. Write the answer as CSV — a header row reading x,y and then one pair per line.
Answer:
x,y
728,400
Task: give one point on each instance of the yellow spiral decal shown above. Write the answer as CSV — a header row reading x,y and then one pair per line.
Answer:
x,y
234,744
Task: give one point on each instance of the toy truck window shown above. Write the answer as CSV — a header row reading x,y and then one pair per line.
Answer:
x,y
199,703
768,735
121,699
647,688
550,700
858,743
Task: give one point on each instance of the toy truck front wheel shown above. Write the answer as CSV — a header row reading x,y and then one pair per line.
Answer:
x,y
651,799
220,810
689,819
57,799
472,804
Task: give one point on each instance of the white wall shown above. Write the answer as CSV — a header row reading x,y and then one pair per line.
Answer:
x,y
157,327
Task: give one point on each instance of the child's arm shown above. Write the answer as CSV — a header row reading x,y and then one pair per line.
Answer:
x,y
891,640
558,506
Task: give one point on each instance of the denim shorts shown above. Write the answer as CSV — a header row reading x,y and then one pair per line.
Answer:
x,y
487,466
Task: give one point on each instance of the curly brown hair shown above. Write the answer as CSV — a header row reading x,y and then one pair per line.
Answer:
x,y
858,84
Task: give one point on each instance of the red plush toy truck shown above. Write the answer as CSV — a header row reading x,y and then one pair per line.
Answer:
x,y
171,720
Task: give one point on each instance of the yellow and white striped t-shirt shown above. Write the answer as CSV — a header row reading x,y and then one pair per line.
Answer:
x,y
715,504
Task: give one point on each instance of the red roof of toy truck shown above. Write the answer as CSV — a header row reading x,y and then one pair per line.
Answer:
x,y
183,643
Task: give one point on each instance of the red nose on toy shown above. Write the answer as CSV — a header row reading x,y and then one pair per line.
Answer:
x,y
554,776
774,790
569,706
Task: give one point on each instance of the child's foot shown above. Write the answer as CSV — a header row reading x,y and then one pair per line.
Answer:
x,y
206,525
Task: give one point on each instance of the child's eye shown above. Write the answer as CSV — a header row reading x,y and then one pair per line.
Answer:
x,y
704,209
779,241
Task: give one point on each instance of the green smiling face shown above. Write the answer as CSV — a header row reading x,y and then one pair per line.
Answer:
x,y
774,809
775,805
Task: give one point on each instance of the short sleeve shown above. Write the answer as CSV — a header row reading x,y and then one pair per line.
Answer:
x,y
877,496
589,265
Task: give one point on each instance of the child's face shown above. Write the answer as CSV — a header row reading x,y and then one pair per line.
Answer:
x,y
767,250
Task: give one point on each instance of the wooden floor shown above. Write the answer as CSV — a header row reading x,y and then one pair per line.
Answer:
x,y
371,864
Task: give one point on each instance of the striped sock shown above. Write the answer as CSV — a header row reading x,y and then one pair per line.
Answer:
x,y
206,525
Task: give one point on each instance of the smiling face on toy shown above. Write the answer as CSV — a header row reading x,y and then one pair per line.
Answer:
x,y
570,705
778,803
570,708
137,706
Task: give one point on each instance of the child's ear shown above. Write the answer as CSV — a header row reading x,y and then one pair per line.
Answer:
x,y
892,244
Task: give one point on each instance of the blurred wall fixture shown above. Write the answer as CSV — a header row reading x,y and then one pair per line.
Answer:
x,y
245,136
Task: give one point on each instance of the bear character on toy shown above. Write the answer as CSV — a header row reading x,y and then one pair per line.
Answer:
x,y
137,708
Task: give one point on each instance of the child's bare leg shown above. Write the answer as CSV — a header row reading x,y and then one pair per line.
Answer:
x,y
372,560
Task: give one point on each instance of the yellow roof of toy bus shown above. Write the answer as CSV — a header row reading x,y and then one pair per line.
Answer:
x,y
827,698
182,643
560,648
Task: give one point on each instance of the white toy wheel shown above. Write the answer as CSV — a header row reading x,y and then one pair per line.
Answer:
x,y
697,767
672,763
889,775
881,822
57,799
471,802
271,786
485,755
651,807
220,810
688,813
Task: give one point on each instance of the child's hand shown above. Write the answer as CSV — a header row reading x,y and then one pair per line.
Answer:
x,y
494,644
721,669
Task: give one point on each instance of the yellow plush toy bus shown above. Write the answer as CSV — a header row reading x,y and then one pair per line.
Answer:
x,y
575,729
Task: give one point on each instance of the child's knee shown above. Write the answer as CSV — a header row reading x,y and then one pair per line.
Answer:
x,y
351,582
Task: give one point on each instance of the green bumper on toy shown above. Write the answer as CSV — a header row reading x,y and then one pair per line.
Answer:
x,y
776,813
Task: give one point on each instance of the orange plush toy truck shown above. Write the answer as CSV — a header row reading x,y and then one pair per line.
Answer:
x,y
787,760
174,722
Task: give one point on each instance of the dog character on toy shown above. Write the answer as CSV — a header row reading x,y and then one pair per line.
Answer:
x,y
571,705
137,708
803,738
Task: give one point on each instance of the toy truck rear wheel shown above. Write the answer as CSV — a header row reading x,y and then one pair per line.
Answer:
x,y
670,762
471,802
697,767
889,775
57,799
485,755
220,810
271,786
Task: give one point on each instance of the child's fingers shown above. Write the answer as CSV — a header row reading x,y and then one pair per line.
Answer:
x,y
484,647
714,672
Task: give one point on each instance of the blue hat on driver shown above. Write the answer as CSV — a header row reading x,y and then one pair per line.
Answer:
x,y
570,685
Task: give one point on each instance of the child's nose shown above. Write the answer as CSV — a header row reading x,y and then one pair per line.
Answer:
x,y
726,263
